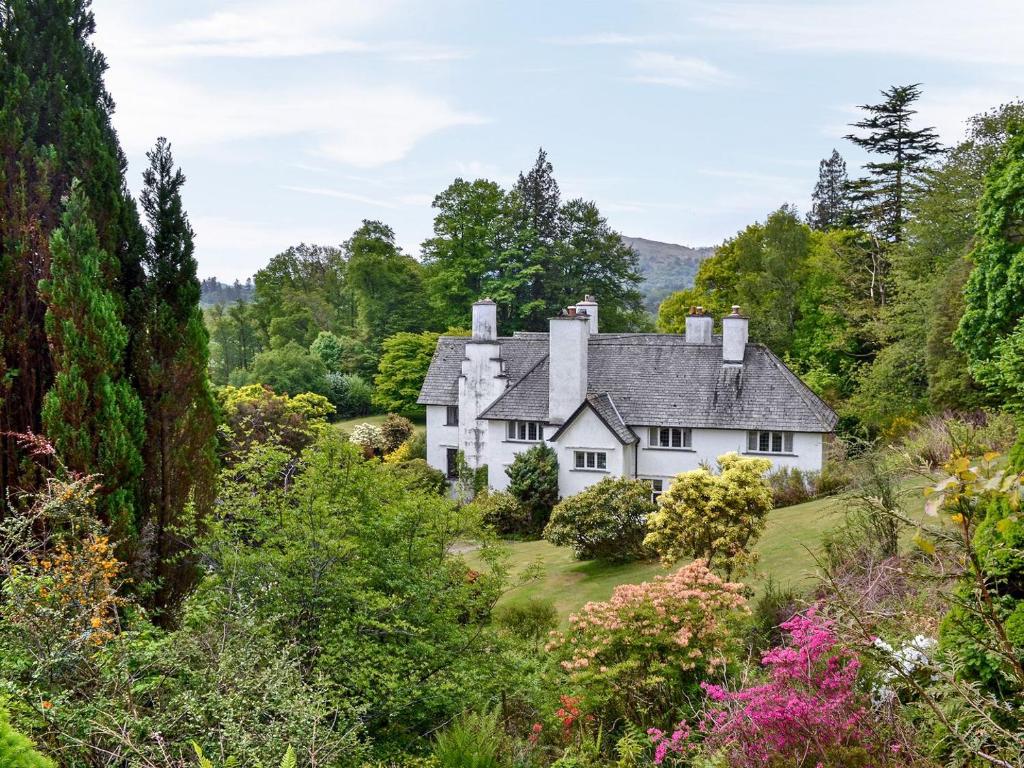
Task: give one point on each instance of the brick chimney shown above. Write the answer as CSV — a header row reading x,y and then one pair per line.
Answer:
x,y
698,326
734,337
568,342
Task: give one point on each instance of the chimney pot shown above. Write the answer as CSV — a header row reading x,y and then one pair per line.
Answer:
x,y
485,320
571,311
735,332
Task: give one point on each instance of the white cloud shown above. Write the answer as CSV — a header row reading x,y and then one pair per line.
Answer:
x,y
676,71
363,126
340,195
610,38
984,31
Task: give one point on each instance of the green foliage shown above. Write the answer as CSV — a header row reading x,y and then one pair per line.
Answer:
x,y
394,431
473,740
417,475
387,283
171,361
533,481
290,370
254,415
775,605
91,414
349,393
235,340
607,521
529,620
994,295
16,751
715,517
344,354
830,204
502,513
403,367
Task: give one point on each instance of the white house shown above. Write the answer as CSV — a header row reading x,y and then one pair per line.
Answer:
x,y
641,405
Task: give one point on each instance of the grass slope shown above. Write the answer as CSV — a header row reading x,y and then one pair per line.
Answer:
x,y
347,425
787,550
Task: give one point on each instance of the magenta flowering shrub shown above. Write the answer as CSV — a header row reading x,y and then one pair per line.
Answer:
x,y
808,715
639,654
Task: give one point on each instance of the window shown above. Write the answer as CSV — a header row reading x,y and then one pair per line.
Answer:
x,y
670,437
770,442
452,416
452,457
593,460
657,488
527,431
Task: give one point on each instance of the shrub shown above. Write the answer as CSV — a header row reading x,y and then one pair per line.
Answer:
x,y
809,714
503,513
418,445
791,486
474,740
713,517
254,414
399,455
936,439
533,480
607,521
350,393
289,369
529,620
395,430
642,653
417,474
368,436
774,606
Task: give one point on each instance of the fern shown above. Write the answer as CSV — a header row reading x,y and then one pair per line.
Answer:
x,y
288,761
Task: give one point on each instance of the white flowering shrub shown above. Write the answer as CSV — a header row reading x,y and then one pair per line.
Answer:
x,y
368,436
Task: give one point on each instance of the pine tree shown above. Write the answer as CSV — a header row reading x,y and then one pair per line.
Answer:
x,y
536,215
54,126
91,414
171,365
830,206
885,195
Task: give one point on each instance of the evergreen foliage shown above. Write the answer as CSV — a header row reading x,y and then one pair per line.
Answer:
x,y
830,205
54,127
606,521
533,481
91,414
403,367
16,751
171,368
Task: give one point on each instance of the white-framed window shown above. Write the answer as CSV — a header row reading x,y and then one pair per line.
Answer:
x,y
769,442
670,437
451,416
592,460
657,487
526,431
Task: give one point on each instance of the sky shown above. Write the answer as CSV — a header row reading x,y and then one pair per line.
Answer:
x,y
294,120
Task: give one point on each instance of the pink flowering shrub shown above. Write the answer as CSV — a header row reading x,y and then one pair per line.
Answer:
x,y
808,715
646,649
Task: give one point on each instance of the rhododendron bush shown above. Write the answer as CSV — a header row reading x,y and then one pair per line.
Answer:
x,y
644,652
808,714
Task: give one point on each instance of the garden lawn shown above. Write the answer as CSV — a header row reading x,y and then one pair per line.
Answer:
x,y
787,551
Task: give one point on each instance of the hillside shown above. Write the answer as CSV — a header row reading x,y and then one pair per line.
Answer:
x,y
666,267
215,292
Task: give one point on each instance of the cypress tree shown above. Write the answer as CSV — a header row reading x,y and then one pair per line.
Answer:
x,y
537,201
91,414
171,363
54,126
830,206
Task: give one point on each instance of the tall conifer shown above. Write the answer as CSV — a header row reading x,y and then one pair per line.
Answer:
x,y
830,205
91,414
54,126
172,360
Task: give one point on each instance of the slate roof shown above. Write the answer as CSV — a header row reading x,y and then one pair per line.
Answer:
x,y
604,407
651,379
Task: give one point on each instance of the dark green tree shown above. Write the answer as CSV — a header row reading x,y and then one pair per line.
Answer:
x,y
906,153
171,368
290,370
535,207
830,205
388,284
533,480
91,414
54,126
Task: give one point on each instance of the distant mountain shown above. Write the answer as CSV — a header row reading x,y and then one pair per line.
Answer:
x,y
213,292
666,268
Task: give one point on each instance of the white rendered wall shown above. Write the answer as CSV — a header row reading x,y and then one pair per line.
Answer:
x,y
709,444
501,452
588,433
480,385
440,437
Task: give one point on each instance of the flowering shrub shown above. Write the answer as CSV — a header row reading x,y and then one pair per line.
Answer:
x,y
368,436
640,653
809,714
